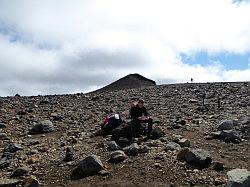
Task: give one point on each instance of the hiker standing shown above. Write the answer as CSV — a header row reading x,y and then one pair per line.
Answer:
x,y
139,114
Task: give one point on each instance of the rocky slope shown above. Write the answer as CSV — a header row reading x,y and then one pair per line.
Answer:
x,y
38,148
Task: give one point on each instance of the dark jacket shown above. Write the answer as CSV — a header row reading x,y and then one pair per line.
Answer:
x,y
136,112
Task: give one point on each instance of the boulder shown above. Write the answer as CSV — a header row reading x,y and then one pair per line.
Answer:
x,y
157,133
238,178
172,146
22,171
132,150
230,136
117,156
226,125
41,127
88,166
198,157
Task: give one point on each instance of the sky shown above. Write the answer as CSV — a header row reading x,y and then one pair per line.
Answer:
x,y
65,46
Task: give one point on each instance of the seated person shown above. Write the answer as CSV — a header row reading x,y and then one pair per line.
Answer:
x,y
110,122
139,114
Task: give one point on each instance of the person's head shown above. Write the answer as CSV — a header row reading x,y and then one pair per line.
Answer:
x,y
140,103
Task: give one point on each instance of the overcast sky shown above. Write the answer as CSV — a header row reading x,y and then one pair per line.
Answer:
x,y
69,46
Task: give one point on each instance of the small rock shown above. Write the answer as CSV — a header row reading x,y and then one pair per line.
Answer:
x,y
117,156
176,138
4,136
12,148
33,152
144,149
123,142
193,101
112,145
184,142
238,178
22,171
172,146
104,173
2,125
22,112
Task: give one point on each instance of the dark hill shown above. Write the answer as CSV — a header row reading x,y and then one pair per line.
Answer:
x,y
130,81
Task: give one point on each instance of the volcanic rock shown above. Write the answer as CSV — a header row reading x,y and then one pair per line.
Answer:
x,y
172,146
198,157
238,178
157,133
22,171
117,156
226,125
45,126
90,165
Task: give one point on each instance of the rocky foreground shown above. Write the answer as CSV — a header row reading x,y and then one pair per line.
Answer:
x,y
201,138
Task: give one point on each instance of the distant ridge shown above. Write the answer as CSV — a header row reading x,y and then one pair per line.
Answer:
x,y
128,82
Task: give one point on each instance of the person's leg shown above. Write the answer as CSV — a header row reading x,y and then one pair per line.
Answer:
x,y
150,126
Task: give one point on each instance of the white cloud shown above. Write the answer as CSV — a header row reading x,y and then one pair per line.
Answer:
x,y
87,44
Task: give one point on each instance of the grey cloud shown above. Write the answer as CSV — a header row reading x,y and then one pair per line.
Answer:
x,y
88,69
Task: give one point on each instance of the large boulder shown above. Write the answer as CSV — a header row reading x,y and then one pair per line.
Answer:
x,y
90,165
198,157
41,127
226,125
238,178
